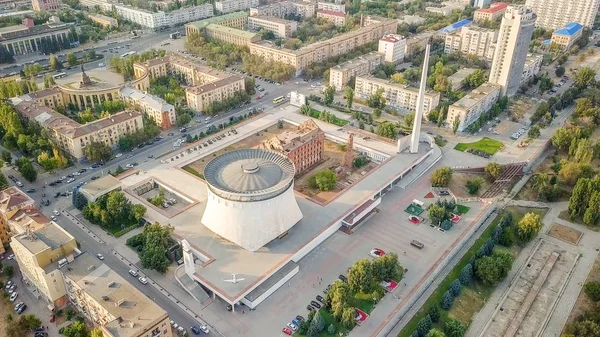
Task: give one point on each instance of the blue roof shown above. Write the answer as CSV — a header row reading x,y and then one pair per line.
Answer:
x,y
455,26
547,42
570,29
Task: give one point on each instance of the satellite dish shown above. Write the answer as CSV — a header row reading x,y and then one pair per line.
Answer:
x,y
234,279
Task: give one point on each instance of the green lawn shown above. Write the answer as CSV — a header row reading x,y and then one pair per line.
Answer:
x,y
193,171
485,144
462,209
335,121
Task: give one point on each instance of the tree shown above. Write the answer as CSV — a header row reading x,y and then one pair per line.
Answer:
x,y
435,333
446,301
97,151
328,95
441,177
318,322
592,213
585,77
305,109
3,181
27,170
592,290
492,269
455,288
360,276
409,120
454,328
493,170
376,100
90,55
6,156
529,226
541,182
49,81
580,197
475,79
437,213
96,332
424,325
77,329
349,95
71,59
331,329
586,328
534,132
54,63
474,185
377,113
387,129
466,274
455,125
560,71
325,180
434,313
387,268
338,297
8,271
348,317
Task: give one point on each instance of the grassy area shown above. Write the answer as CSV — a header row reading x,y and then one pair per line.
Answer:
x,y
328,321
193,171
487,145
462,209
439,141
334,119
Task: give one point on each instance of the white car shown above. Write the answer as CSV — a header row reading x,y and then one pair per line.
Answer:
x,y
100,256
76,173
143,280
129,166
70,180
292,326
204,329
133,273
53,218
55,212
18,183
13,297
11,256
118,155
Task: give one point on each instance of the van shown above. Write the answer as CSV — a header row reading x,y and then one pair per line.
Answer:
x,y
62,263
417,244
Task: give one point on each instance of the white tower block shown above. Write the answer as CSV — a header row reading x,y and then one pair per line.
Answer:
x,y
416,132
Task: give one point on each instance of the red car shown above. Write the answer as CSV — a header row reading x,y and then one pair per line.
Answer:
x,y
287,331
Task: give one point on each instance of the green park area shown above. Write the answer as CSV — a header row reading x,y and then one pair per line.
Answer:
x,y
487,145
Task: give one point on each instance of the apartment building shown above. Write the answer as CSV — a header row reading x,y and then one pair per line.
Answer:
x,y
73,137
93,3
111,302
398,96
161,112
340,75
493,13
303,146
472,40
323,50
512,48
229,6
45,5
555,14
337,18
481,3
26,38
533,65
457,79
392,46
231,35
304,9
156,20
278,9
200,97
280,27
51,98
237,20
12,200
416,43
568,35
332,7
455,27
40,254
104,20
469,108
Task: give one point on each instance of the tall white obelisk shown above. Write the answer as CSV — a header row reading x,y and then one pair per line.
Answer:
x,y
416,132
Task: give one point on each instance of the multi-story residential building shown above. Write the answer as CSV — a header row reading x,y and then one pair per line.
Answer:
x,y
567,36
512,47
555,14
455,27
396,95
40,254
104,20
51,98
237,20
332,7
481,3
73,137
200,97
278,9
457,79
469,108
303,146
111,302
93,3
472,40
45,5
340,75
304,9
392,46
231,35
161,112
323,50
228,6
26,38
156,20
11,201
280,27
416,43
338,18
533,65
493,13
447,8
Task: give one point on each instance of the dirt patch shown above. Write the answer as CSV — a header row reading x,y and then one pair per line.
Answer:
x,y
519,107
583,303
565,233
459,180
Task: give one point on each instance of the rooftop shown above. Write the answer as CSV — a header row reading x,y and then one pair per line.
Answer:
x,y
23,31
455,26
389,83
44,93
229,30
99,187
132,312
393,38
216,19
476,95
494,7
353,63
269,18
151,101
51,236
213,85
292,139
332,13
104,123
570,29
12,197
28,218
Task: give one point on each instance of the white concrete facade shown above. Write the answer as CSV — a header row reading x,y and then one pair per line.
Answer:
x,y
473,40
329,6
396,95
533,65
392,46
228,6
555,14
469,108
161,19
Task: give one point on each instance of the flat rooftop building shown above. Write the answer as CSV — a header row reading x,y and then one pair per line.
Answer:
x,y
396,95
456,79
469,108
99,187
161,112
340,75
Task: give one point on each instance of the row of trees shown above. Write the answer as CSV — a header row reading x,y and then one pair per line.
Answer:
x,y
113,210
124,66
133,139
238,98
152,244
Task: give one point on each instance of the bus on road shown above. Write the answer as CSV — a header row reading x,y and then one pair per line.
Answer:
x,y
59,75
129,53
278,100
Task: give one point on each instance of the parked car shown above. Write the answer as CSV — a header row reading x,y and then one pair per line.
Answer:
x,y
22,309
320,299
315,304
292,326
19,305
143,280
133,273
30,190
343,278
309,308
287,331
100,256
13,296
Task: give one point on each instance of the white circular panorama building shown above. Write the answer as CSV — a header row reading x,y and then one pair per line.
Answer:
x,y
250,197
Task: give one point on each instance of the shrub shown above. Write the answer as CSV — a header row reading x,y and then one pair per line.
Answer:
x,y
424,325
592,290
454,328
507,237
434,313
446,301
455,288
331,329
466,274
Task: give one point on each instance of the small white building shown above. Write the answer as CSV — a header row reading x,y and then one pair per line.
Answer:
x,y
333,7
469,108
392,46
228,6
154,20
533,65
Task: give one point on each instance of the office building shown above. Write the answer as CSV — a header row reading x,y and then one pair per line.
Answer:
x,y
40,254
27,38
512,48
323,50
104,20
231,35
303,146
568,35
45,5
157,20
447,8
533,65
229,6
493,13
111,302
469,108
332,7
280,27
396,95
555,14
340,75
338,18
472,40
304,9
283,8
392,46
237,20
161,112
